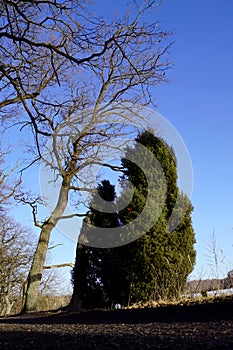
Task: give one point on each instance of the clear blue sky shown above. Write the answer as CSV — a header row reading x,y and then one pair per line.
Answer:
x,y
198,102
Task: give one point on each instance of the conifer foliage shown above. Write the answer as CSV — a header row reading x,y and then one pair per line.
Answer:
x,y
98,277
157,264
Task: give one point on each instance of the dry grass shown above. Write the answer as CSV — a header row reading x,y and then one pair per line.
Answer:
x,y
185,301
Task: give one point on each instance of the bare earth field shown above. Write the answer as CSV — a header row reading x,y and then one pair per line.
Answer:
x,y
208,325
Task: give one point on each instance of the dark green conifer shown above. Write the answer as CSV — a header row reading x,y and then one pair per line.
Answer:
x,y
162,259
156,264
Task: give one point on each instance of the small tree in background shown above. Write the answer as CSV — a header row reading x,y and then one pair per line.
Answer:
x,y
17,246
8,186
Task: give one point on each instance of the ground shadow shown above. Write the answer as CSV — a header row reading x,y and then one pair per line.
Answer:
x,y
221,309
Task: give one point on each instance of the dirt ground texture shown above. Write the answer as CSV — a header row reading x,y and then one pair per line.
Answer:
x,y
208,325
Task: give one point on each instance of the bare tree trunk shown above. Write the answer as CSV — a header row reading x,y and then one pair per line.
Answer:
x,y
35,274
9,305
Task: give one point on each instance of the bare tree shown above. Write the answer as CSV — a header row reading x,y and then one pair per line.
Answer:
x,y
17,247
16,252
15,242
44,43
70,74
215,258
53,282
8,186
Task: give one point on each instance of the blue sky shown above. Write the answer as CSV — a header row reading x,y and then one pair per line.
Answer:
x,y
198,102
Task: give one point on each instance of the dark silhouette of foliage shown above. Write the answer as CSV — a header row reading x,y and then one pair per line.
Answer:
x,y
157,264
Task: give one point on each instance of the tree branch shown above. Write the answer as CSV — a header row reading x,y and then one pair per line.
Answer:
x,y
33,205
56,49
71,216
55,246
58,266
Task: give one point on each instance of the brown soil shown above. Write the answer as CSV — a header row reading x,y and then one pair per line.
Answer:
x,y
208,325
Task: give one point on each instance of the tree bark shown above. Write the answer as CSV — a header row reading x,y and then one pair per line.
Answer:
x,y
35,274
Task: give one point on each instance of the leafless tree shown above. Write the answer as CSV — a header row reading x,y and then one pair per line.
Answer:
x,y
45,43
17,247
8,186
16,252
215,258
69,74
15,244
